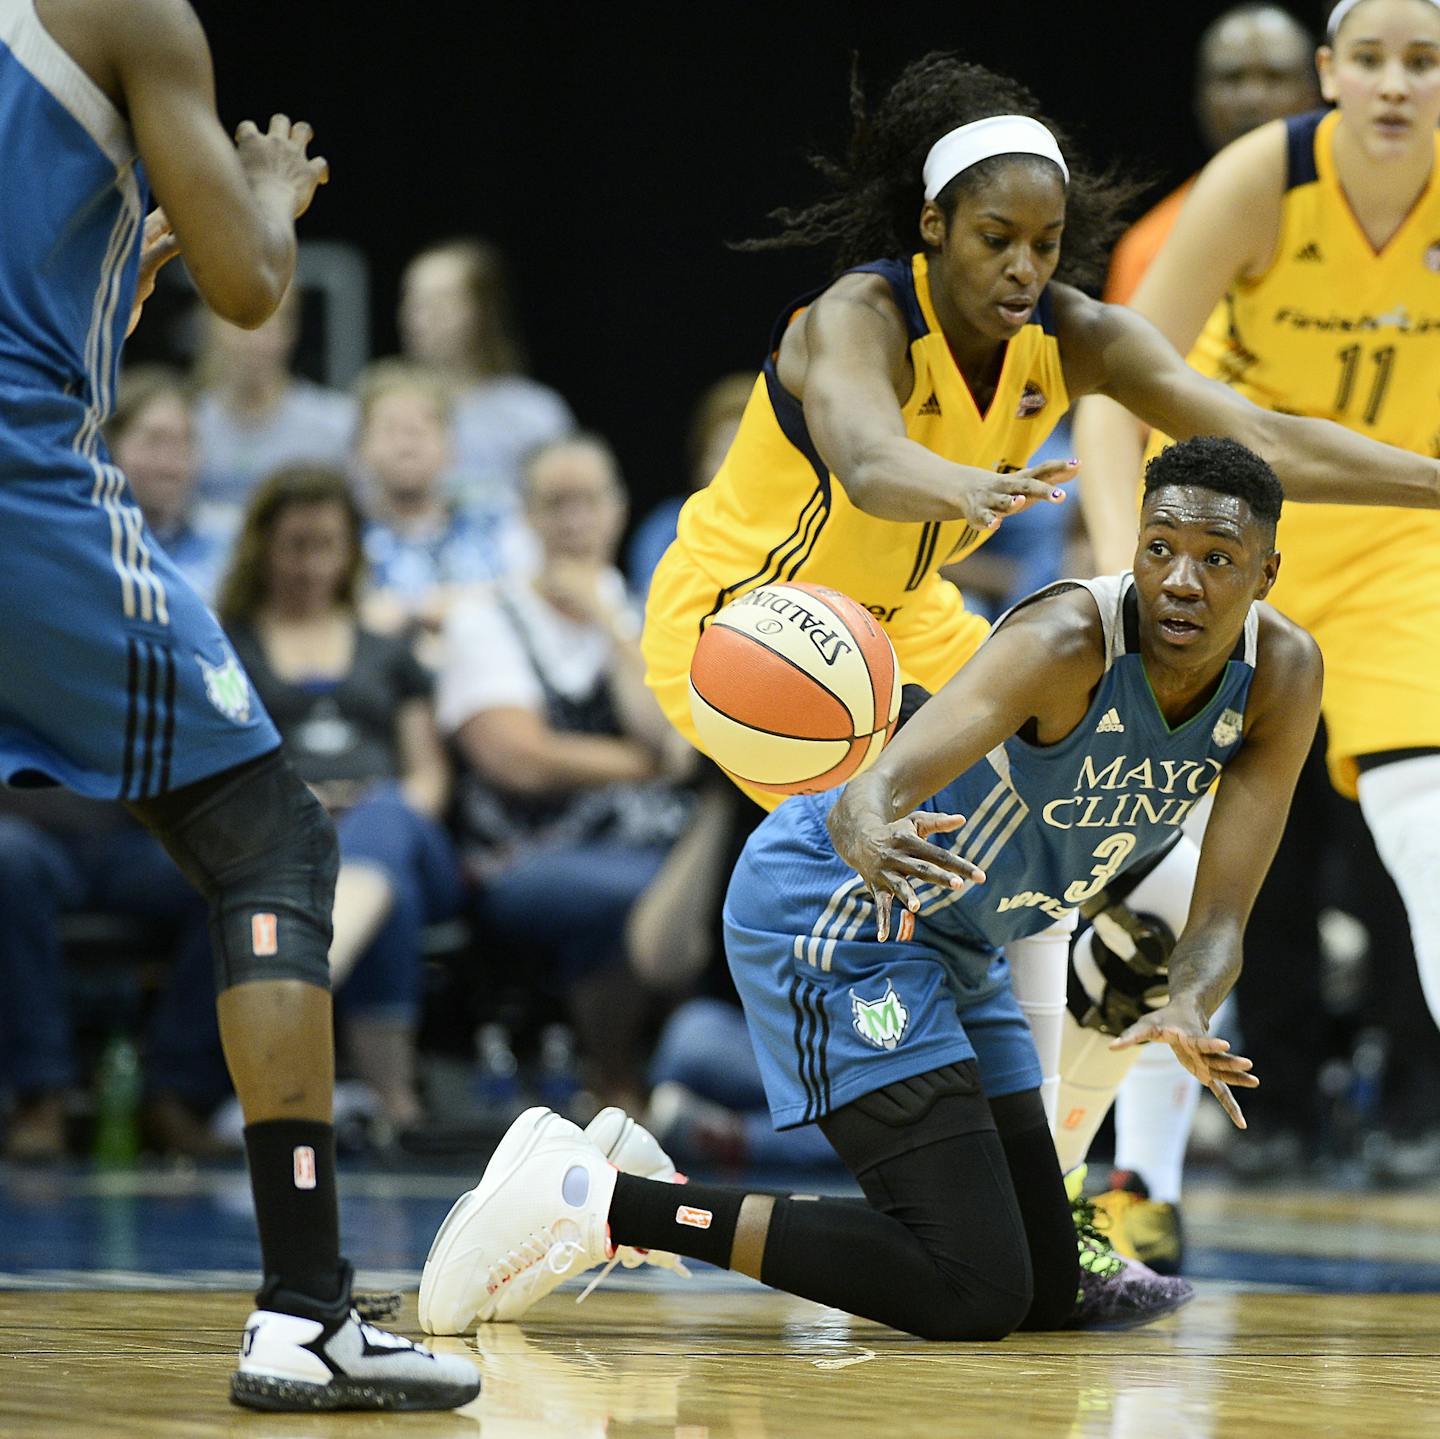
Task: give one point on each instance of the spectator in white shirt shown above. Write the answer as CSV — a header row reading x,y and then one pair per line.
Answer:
x,y
570,807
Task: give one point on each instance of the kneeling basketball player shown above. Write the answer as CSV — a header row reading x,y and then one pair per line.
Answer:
x,y
871,936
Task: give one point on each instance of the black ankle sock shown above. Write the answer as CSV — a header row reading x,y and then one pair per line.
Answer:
x,y
696,1220
292,1174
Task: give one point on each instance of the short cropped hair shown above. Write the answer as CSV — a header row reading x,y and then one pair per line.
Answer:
x,y
1213,462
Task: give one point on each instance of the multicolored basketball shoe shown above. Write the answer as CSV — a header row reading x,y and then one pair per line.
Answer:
x,y
1116,1292
329,1360
1140,1227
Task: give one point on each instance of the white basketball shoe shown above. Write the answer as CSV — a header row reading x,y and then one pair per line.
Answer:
x,y
294,1364
537,1216
632,1149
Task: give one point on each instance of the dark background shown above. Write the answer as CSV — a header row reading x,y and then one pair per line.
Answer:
x,y
613,149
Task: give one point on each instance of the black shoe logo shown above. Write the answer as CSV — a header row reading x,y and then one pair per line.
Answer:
x,y
248,1342
1310,252
931,406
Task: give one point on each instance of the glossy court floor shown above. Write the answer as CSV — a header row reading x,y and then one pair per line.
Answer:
x,y
121,1297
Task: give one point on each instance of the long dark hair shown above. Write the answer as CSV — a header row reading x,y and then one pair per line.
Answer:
x,y
877,190
247,581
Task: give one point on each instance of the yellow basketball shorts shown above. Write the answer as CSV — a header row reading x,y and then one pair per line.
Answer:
x,y
1366,584
933,636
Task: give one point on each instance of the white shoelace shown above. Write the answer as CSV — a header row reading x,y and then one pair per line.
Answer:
x,y
558,1255
633,1258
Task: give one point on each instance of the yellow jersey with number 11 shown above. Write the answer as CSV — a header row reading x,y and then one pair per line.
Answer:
x,y
1338,330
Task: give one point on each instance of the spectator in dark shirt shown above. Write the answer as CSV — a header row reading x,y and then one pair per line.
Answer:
x,y
354,710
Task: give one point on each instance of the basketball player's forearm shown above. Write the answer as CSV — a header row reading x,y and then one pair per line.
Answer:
x,y
1206,963
1110,449
900,480
1321,462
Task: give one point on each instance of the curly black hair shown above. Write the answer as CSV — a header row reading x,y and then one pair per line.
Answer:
x,y
1213,462
878,189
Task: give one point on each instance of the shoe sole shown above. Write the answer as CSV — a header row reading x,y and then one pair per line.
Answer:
x,y
509,1155
292,1396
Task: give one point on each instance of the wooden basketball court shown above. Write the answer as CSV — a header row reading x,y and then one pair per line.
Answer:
x,y
717,1361
719,1357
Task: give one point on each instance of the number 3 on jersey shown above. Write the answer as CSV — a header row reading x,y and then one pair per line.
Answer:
x,y
1112,852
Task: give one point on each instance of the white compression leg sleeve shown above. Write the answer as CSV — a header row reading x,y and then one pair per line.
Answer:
x,y
1401,804
1039,973
1091,1073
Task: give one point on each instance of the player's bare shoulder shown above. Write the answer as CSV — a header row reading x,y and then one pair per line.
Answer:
x,y
855,319
107,40
1062,623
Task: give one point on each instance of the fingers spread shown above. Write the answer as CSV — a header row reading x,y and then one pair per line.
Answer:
x,y
1221,1092
927,824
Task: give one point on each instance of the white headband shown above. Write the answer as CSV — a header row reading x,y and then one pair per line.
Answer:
x,y
999,135
1338,14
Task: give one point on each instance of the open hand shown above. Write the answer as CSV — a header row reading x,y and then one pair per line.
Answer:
x,y
278,156
994,497
158,246
1206,1056
893,858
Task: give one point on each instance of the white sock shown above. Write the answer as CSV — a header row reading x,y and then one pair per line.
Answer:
x,y
1401,804
1039,972
1090,1073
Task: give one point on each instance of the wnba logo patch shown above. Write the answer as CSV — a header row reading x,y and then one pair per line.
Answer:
x,y
880,1022
694,1218
304,1167
264,935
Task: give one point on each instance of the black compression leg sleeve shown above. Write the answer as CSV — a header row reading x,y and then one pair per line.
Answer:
x,y
1044,1207
939,1251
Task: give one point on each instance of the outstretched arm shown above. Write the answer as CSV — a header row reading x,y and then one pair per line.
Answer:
x,y
1315,459
849,370
1251,804
1049,655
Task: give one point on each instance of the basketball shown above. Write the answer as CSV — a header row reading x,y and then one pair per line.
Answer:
x,y
794,688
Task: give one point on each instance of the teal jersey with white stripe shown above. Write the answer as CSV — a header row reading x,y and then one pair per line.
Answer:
x,y
72,202
1049,824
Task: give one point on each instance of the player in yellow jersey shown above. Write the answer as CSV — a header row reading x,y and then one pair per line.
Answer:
x,y
886,434
1319,240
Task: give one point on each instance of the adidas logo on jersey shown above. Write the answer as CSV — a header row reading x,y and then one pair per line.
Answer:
x,y
1309,252
931,406
1110,723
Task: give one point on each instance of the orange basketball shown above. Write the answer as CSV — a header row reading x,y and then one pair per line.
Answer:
x,y
794,688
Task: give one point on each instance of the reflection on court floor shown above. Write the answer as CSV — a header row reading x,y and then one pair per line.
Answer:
x,y
1319,1313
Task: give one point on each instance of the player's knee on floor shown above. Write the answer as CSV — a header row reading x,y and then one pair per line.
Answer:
x,y
910,1144
261,849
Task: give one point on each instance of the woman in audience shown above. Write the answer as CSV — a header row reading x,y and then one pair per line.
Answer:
x,y
354,710
255,413
457,314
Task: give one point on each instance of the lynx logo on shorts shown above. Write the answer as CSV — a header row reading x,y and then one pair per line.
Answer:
x,y
1228,728
880,1022
264,935
227,688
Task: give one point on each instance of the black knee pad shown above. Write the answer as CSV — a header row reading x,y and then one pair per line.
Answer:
x,y
908,1115
261,849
